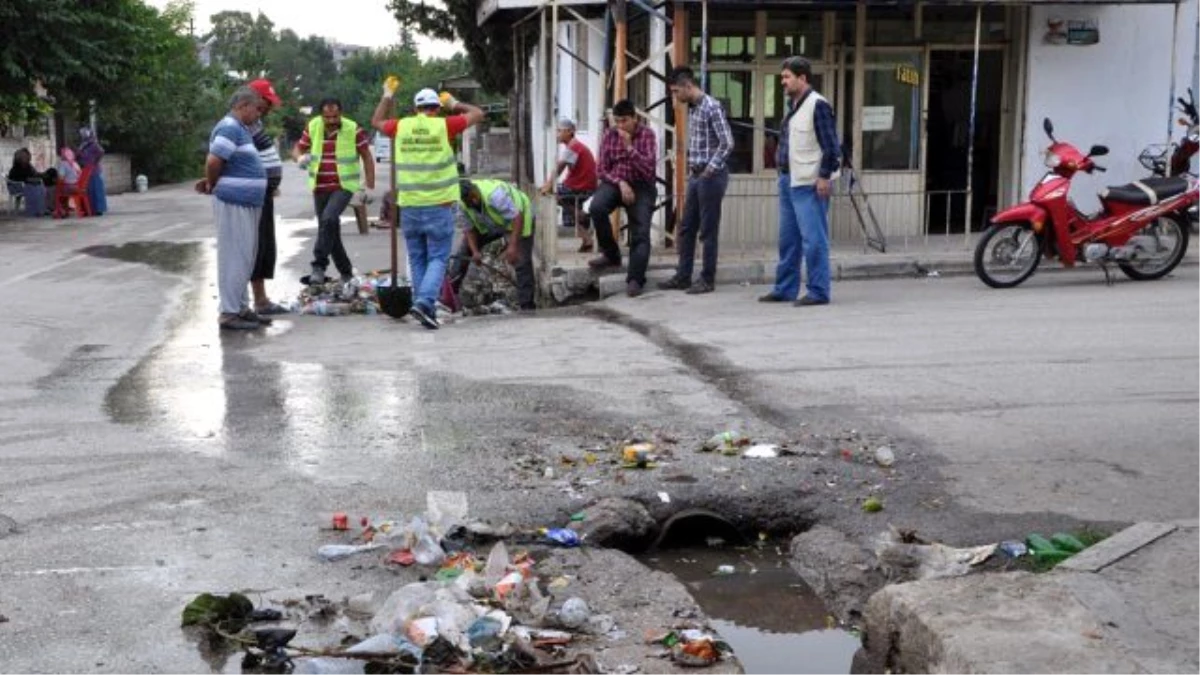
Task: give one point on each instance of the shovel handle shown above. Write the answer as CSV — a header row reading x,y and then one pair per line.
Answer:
x,y
395,213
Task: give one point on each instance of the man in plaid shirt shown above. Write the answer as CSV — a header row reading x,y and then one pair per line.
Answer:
x,y
628,156
709,144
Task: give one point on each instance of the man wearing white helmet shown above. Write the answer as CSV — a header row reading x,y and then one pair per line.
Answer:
x,y
426,183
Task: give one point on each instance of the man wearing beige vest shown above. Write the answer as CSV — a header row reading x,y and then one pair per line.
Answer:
x,y
807,158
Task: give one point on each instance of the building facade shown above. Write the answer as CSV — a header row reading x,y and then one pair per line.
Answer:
x,y
908,82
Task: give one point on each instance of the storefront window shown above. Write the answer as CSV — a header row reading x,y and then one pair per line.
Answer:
x,y
735,91
730,40
956,25
891,112
792,34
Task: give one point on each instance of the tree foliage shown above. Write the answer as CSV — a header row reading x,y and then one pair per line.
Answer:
x,y
67,46
489,48
162,111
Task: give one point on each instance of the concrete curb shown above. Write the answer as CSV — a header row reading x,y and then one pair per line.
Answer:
x,y
843,269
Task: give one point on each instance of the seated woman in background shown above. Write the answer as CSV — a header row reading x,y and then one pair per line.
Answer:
x,y
90,154
68,168
32,182
22,170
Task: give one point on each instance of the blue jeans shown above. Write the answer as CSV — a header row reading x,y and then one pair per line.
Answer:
x,y
803,232
429,236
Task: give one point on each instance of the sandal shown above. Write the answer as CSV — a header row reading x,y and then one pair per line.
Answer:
x,y
271,308
251,315
238,323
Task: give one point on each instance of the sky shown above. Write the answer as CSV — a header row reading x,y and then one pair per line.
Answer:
x,y
357,22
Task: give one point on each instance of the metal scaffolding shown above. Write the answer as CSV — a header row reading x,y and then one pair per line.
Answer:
x,y
620,66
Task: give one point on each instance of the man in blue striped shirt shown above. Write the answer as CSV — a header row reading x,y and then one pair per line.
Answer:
x,y
709,143
234,176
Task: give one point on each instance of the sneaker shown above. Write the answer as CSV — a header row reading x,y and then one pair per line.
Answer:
x,y
700,287
634,289
771,297
675,284
424,317
603,262
806,301
317,277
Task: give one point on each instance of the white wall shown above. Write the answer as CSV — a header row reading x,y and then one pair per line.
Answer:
x,y
1113,93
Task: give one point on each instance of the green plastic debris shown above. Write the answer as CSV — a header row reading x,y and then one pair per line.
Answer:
x,y
872,505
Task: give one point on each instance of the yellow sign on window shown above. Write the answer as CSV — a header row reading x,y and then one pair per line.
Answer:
x,y
908,75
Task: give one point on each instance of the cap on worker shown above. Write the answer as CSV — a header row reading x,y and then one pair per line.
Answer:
x,y
566,123
426,98
264,89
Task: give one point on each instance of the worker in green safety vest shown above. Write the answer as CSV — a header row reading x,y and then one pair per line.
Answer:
x,y
494,209
331,149
426,180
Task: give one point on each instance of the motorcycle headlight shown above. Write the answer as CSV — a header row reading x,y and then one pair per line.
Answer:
x,y
1052,160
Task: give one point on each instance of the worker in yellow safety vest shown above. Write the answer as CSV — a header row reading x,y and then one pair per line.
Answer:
x,y
426,181
334,179
494,209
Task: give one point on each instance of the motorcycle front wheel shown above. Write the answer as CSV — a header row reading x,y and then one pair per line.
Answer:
x,y
1170,240
1007,254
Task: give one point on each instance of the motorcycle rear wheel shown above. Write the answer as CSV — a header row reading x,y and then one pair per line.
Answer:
x,y
1171,234
1007,254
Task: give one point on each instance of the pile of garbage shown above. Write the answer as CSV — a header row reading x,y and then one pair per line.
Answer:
x,y
493,614
485,290
340,298
906,556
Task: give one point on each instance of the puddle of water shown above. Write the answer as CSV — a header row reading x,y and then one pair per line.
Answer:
x,y
168,256
774,622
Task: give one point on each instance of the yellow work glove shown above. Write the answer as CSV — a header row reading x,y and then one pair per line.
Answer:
x,y
448,100
390,85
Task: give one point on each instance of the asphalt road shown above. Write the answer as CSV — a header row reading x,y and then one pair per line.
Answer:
x,y
146,457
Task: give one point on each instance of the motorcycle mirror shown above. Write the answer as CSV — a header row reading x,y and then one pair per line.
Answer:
x,y
1048,127
1098,151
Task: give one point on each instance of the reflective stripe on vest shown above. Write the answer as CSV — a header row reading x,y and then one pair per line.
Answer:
x,y
488,186
345,153
426,169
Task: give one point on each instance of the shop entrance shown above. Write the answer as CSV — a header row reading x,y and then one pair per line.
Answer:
x,y
947,138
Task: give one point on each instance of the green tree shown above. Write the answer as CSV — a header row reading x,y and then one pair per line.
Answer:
x,y
161,112
489,48
242,42
72,48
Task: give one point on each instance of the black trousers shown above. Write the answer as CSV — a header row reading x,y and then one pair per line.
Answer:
x,y
608,199
701,215
329,207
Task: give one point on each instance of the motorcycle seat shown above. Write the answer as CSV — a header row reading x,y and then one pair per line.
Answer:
x,y
1147,191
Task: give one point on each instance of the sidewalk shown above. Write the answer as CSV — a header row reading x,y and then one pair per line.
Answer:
x,y
936,255
1128,604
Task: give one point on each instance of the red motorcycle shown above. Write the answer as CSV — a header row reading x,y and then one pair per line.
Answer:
x,y
1142,226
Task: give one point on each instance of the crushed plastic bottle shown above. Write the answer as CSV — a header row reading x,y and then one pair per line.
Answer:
x,y
328,666
331,552
563,537
727,442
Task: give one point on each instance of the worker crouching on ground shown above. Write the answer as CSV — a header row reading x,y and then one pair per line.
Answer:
x,y
495,209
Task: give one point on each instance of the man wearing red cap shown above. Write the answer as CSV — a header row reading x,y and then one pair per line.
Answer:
x,y
264,261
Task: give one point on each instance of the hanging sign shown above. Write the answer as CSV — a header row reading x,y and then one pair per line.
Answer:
x,y
1061,31
908,75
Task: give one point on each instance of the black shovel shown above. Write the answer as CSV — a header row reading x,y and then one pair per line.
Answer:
x,y
395,301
